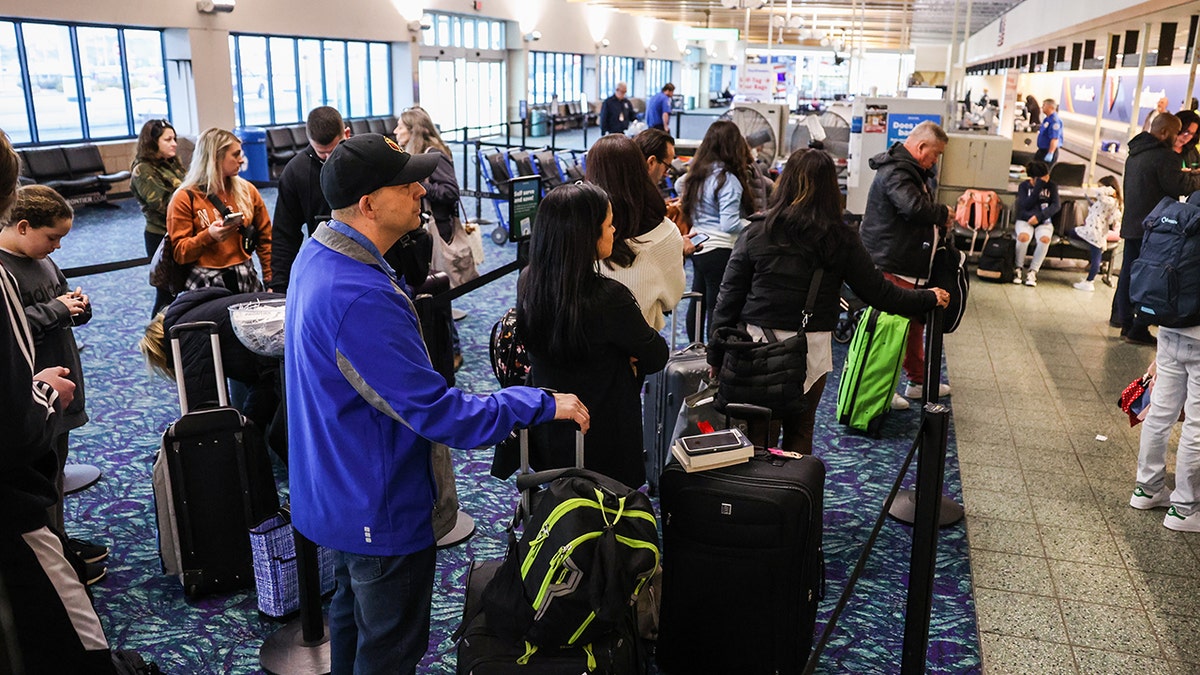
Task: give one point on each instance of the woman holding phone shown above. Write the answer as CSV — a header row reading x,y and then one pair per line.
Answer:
x,y
217,219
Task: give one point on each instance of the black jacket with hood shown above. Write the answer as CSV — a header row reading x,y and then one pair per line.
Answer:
x,y
901,218
1152,171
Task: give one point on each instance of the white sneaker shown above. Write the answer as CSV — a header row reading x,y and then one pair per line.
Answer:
x,y
1174,521
1031,278
1084,285
1017,275
918,391
900,403
1142,500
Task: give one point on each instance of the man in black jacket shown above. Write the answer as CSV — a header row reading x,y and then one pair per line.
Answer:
x,y
300,202
901,226
1152,171
616,113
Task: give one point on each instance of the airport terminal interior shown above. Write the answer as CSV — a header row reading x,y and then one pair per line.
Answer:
x,y
1048,571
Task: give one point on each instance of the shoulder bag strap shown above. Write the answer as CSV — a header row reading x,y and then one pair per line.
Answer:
x,y
218,204
813,286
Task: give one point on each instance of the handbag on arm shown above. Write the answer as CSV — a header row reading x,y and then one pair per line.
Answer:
x,y
769,374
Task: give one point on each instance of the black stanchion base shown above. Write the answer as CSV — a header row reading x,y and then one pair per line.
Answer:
x,y
464,527
285,652
904,509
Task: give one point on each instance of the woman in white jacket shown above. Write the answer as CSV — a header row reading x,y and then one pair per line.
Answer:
x,y
647,255
1102,226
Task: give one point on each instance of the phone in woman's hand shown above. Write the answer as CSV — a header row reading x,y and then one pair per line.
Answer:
x,y
698,238
234,218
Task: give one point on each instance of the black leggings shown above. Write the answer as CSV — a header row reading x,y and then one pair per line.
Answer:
x,y
707,270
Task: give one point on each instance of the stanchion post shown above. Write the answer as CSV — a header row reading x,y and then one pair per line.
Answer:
x,y
931,462
308,574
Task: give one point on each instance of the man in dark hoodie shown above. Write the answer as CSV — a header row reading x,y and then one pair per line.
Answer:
x,y
1152,171
900,229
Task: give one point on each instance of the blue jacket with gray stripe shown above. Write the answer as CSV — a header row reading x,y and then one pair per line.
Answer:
x,y
364,403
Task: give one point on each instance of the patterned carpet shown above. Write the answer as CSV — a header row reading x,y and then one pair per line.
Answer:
x,y
144,610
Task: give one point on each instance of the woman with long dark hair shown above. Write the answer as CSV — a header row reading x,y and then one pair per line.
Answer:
x,y
647,255
716,198
585,335
156,173
771,268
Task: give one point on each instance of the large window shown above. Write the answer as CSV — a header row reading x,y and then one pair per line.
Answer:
x,y
658,73
554,74
462,74
468,32
67,82
277,80
614,69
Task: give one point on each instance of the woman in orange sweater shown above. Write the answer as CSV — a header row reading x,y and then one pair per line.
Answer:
x,y
217,219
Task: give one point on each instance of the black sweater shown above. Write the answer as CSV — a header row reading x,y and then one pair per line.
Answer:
x,y
28,422
607,385
299,207
766,284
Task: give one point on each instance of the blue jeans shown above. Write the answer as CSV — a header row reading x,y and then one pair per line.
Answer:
x,y
1176,388
379,616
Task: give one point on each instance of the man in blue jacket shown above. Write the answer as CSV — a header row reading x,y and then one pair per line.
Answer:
x,y
364,406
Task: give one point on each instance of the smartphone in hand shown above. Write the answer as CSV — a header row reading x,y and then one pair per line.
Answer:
x,y
698,238
235,219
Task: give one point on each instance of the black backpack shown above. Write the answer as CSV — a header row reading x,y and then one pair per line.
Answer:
x,y
998,261
1164,285
588,547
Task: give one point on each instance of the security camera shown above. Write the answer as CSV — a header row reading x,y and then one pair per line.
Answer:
x,y
214,6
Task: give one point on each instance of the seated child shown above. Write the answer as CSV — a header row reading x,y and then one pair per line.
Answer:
x,y
1102,226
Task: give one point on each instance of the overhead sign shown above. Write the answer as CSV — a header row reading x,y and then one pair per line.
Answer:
x,y
693,34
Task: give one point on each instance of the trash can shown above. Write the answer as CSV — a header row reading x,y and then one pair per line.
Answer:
x,y
538,125
254,149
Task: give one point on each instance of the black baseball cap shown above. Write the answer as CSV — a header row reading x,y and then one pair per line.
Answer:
x,y
364,163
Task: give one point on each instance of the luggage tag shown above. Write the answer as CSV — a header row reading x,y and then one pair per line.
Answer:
x,y
784,453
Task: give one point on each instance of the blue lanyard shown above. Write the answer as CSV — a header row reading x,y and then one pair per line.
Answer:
x,y
361,239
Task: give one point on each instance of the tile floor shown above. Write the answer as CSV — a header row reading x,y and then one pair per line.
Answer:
x,y
1068,578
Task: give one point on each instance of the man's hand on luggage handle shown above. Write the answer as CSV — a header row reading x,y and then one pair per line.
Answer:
x,y
569,407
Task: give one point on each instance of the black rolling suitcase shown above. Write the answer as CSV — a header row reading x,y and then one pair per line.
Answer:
x,y
665,391
482,651
212,482
742,566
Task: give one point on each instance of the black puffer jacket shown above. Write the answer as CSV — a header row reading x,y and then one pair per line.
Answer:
x,y
1153,171
901,216
241,364
766,284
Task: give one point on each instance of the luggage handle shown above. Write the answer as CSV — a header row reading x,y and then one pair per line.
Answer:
x,y
525,470
695,297
749,411
218,366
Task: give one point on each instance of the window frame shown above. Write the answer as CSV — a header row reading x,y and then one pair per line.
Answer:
x,y
327,96
85,135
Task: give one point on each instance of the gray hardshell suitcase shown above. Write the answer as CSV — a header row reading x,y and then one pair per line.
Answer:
x,y
665,391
